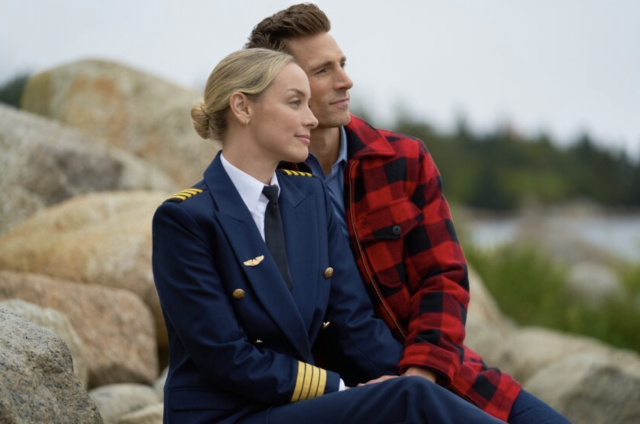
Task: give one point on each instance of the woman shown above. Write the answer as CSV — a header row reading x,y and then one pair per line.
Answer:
x,y
241,320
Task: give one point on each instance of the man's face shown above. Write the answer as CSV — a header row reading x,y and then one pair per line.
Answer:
x,y
323,62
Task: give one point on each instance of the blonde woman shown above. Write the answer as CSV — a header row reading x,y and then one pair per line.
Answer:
x,y
250,267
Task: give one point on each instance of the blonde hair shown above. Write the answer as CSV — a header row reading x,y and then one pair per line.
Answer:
x,y
246,71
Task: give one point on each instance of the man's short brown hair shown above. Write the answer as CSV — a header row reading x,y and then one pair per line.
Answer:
x,y
297,21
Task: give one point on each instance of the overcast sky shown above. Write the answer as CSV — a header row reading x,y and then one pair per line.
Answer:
x,y
563,66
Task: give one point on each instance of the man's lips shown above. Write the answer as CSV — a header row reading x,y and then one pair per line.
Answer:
x,y
341,102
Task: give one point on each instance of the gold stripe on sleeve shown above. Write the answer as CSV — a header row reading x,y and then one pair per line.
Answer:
x,y
314,383
310,382
299,380
313,392
308,376
322,384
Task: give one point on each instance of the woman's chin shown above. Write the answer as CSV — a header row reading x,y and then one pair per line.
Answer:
x,y
298,156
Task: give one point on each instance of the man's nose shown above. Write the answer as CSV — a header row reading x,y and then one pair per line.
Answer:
x,y
343,82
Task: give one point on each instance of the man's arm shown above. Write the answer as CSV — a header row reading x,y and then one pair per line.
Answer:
x,y
437,281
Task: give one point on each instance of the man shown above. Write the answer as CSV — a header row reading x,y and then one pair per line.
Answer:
x,y
387,193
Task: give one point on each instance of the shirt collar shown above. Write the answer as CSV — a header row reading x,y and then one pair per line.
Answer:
x,y
342,154
366,140
249,188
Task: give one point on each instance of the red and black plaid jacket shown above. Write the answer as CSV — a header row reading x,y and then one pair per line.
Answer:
x,y
407,251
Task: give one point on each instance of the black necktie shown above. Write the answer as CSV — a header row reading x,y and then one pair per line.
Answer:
x,y
274,233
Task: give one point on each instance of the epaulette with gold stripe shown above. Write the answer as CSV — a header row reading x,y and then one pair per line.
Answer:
x,y
296,173
310,383
184,195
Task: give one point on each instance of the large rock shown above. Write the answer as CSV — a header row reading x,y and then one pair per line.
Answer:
x,y
44,163
152,414
525,351
102,238
486,325
58,323
158,386
126,108
115,326
589,389
37,384
115,400
482,306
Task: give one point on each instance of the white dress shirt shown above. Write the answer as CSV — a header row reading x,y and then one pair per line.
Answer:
x,y
250,190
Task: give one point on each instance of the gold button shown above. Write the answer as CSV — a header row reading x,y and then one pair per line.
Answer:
x,y
328,273
238,294
325,324
258,342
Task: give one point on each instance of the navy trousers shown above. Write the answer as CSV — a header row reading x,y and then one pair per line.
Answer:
x,y
528,409
403,400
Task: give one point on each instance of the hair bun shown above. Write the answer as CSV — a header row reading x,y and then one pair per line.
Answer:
x,y
200,120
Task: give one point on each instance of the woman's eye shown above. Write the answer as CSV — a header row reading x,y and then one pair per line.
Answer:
x,y
295,102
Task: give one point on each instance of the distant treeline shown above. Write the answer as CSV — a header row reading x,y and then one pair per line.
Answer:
x,y
505,171
11,91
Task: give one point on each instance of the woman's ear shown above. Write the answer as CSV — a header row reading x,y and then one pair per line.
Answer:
x,y
240,108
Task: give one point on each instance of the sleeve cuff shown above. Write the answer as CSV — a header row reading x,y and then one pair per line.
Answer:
x,y
312,382
441,362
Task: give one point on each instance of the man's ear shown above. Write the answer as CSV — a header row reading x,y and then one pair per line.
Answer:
x,y
240,108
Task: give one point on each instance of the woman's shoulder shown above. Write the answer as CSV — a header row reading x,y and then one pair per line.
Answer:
x,y
187,193
193,199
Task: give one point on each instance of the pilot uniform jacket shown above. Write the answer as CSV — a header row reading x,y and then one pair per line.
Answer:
x,y
406,249
239,339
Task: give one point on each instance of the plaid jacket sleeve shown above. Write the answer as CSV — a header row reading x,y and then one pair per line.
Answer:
x,y
437,279
406,244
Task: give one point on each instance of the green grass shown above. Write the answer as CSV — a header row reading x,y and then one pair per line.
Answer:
x,y
529,287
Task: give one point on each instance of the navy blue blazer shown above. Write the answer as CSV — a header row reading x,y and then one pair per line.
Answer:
x,y
239,339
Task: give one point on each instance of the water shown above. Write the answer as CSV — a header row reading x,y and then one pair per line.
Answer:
x,y
618,234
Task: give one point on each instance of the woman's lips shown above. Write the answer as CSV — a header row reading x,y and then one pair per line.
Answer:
x,y
304,137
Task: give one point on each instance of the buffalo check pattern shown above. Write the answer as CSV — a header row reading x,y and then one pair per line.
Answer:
x,y
407,251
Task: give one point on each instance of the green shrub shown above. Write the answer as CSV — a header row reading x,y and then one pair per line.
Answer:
x,y
631,278
529,287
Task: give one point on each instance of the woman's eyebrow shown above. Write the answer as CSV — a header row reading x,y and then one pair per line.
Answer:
x,y
297,91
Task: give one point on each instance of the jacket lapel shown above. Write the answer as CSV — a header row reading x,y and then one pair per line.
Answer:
x,y
299,216
246,242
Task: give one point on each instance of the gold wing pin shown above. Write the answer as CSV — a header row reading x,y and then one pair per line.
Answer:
x,y
254,261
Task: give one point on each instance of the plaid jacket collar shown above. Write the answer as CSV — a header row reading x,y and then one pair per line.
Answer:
x,y
364,140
